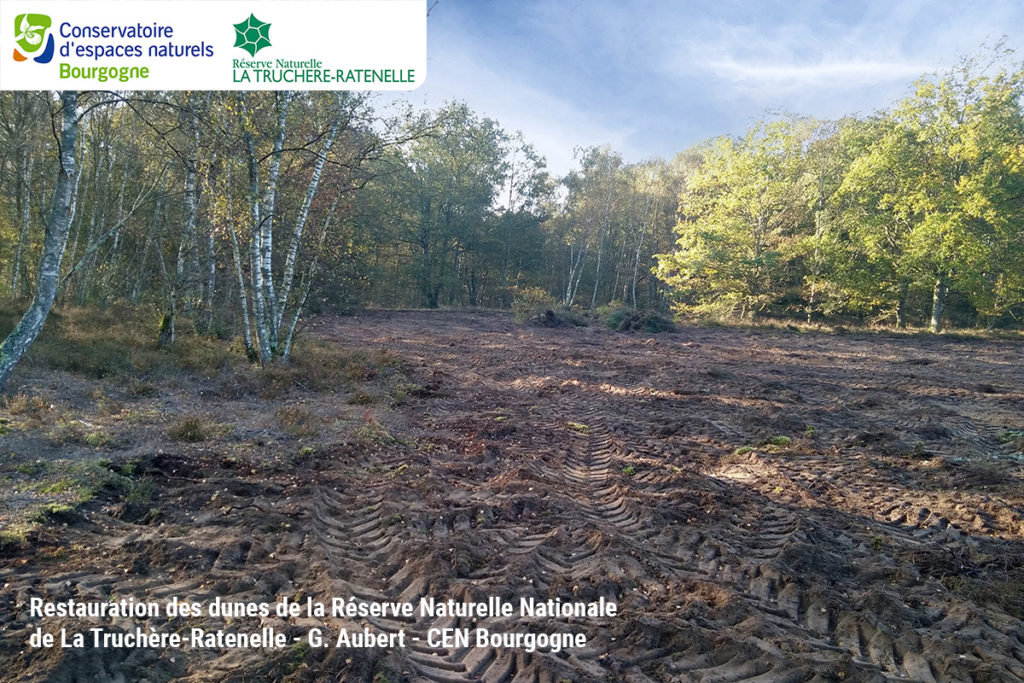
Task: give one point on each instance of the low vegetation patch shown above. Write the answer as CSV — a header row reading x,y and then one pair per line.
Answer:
x,y
617,316
119,344
535,305
33,409
298,420
189,430
50,491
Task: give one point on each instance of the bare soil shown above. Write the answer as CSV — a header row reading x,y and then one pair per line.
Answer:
x,y
762,504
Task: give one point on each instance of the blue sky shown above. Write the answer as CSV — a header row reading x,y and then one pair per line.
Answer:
x,y
654,77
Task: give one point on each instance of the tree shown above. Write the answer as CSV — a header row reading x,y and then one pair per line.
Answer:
x,y
741,215
451,180
320,122
57,226
933,192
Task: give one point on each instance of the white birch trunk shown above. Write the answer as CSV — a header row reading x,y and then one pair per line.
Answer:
x,y
267,229
600,242
120,209
57,226
255,240
300,222
308,280
250,349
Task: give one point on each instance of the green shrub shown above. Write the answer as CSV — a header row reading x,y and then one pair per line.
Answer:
x,y
531,303
622,318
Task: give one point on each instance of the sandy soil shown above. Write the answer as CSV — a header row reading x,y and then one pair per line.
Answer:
x,y
761,504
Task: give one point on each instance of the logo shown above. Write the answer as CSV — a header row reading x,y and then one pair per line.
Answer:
x,y
32,34
252,35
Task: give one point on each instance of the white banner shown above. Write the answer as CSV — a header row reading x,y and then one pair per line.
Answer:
x,y
213,45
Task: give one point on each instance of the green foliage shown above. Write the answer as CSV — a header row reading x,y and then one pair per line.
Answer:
x,y
742,210
902,216
137,491
362,398
13,539
373,432
612,314
530,303
97,438
32,408
623,318
53,511
441,204
534,305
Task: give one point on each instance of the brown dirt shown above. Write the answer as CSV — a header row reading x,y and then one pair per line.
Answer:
x,y
881,539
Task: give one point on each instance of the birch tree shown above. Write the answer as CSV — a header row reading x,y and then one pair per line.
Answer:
x,y
276,307
18,341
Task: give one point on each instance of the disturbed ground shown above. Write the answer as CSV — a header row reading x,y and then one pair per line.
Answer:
x,y
761,504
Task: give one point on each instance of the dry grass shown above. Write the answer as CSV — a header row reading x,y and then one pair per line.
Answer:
x,y
189,430
32,410
298,421
319,366
116,388
120,344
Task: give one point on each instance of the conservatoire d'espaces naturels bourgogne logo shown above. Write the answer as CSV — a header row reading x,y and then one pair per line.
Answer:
x,y
252,35
32,35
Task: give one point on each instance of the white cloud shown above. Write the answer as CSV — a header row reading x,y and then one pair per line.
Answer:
x,y
549,121
825,74
653,77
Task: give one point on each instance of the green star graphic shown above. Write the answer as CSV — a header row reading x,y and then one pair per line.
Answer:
x,y
252,35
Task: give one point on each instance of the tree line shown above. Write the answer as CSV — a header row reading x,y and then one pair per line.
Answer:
x,y
241,211
910,215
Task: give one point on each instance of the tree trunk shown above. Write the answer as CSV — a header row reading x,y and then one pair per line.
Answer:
x,y
24,197
73,211
255,240
575,273
211,281
300,223
939,303
600,242
267,229
57,226
150,230
309,278
120,210
639,250
82,281
901,306
236,255
186,243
